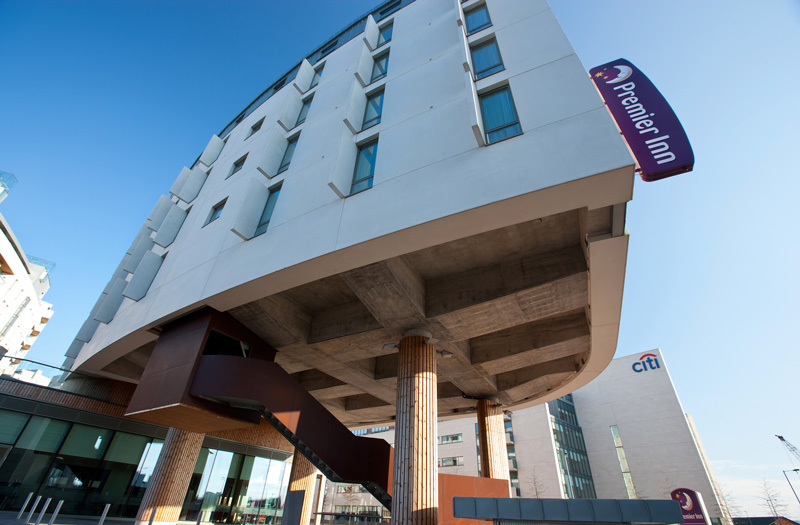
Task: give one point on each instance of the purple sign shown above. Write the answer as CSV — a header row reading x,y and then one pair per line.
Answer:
x,y
692,506
647,122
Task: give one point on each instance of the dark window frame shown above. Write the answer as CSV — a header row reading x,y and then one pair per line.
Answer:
x,y
291,143
382,71
373,162
237,165
390,27
374,121
515,122
255,128
263,225
490,70
473,10
216,211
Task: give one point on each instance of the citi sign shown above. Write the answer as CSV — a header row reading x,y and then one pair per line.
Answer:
x,y
645,363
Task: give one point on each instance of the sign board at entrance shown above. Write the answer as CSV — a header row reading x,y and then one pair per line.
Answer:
x,y
646,120
692,506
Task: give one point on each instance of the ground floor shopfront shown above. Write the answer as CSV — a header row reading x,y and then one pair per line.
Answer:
x,y
90,460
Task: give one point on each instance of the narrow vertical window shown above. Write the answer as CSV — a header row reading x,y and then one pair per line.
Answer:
x,y
373,111
499,116
385,35
623,463
365,167
304,111
288,154
269,207
237,166
254,129
380,67
317,76
216,211
477,19
486,59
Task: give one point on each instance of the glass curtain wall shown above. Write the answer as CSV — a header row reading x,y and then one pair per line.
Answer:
x,y
228,487
89,467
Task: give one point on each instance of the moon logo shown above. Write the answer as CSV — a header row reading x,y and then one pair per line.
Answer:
x,y
624,73
688,505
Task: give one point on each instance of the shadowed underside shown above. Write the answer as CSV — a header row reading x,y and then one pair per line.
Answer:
x,y
509,308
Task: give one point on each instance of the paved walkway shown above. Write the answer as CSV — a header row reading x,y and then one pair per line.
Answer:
x,y
10,518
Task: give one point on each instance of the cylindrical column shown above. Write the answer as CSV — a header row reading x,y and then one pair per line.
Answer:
x,y
492,439
415,497
170,480
303,477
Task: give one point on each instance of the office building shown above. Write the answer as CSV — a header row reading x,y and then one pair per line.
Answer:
x,y
625,435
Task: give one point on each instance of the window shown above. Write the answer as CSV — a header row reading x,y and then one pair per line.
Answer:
x,y
237,166
451,462
373,111
216,211
317,75
477,19
288,154
486,59
499,115
365,167
255,128
385,34
389,9
380,67
328,48
304,111
452,438
279,84
269,207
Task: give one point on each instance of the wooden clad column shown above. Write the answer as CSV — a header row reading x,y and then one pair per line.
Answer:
x,y
415,496
167,487
492,439
303,477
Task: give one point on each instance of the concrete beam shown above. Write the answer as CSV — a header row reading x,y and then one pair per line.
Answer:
x,y
531,343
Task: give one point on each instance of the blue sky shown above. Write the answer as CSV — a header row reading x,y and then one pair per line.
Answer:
x,y
102,103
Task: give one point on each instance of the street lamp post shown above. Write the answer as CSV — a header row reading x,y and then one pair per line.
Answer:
x,y
790,483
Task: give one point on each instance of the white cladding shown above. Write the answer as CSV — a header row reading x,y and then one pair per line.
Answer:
x,y
432,181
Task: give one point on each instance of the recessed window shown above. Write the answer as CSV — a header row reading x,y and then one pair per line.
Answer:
x,y
304,111
237,166
486,59
216,211
279,84
372,114
385,34
254,129
389,9
288,154
266,215
317,76
380,67
499,116
365,167
477,19
451,462
328,48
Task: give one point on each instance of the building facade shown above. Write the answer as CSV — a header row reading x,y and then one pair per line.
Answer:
x,y
623,436
24,280
423,219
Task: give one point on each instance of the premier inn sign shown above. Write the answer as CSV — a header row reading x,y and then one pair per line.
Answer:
x,y
646,120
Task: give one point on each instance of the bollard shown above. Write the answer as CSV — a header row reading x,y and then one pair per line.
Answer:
x,y
103,517
27,500
44,509
55,512
33,509
153,515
